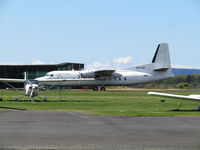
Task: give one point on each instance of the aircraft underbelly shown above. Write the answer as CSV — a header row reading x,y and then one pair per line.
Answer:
x,y
91,83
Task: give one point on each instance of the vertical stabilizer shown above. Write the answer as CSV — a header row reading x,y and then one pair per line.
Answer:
x,y
161,59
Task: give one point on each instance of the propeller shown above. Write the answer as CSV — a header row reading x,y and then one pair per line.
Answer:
x,y
30,88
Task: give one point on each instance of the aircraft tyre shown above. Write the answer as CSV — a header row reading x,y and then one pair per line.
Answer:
x,y
45,99
197,108
95,89
103,88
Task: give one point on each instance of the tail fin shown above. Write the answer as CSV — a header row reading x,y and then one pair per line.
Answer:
x,y
161,59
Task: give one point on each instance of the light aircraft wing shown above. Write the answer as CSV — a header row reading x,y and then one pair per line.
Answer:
x,y
189,97
62,80
12,80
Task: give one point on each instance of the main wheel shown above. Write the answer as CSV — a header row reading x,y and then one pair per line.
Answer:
x,y
95,88
197,108
103,88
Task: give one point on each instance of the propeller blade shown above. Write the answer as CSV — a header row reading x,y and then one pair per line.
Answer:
x,y
31,93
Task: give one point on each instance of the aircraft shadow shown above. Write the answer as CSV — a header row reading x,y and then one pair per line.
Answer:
x,y
12,108
49,101
191,110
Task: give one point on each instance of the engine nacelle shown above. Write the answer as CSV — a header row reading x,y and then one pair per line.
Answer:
x,y
88,75
116,75
99,75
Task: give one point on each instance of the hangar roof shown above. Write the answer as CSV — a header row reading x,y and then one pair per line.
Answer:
x,y
60,64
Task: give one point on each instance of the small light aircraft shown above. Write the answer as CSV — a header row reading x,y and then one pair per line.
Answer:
x,y
159,68
31,87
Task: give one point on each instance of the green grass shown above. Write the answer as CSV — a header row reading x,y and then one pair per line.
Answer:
x,y
125,103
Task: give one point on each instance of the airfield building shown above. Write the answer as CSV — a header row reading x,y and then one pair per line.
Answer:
x,y
33,71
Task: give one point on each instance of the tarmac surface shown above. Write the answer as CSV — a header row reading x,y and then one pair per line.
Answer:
x,y
73,130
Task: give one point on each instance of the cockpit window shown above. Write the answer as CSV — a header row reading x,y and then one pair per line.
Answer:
x,y
49,75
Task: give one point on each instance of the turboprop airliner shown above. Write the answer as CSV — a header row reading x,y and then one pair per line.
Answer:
x,y
159,68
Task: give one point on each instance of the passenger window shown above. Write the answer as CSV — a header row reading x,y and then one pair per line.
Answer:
x,y
119,78
124,78
51,75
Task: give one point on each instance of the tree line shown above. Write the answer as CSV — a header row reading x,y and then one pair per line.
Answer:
x,y
179,81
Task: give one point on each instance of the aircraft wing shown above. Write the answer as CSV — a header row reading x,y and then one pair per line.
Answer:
x,y
12,80
103,74
189,97
62,80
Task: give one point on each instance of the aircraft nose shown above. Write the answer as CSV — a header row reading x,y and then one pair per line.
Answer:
x,y
40,78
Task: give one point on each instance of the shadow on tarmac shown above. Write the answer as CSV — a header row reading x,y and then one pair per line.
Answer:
x,y
12,108
191,110
64,101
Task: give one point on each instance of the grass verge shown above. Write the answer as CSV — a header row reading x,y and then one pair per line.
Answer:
x,y
122,103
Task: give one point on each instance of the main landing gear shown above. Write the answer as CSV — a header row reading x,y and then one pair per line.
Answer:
x,y
99,88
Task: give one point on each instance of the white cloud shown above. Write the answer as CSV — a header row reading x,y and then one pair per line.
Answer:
x,y
123,60
98,66
183,66
116,64
11,63
37,62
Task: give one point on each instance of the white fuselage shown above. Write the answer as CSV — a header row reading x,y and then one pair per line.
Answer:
x,y
127,77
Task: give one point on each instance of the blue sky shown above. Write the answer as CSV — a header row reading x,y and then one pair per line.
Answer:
x,y
100,34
